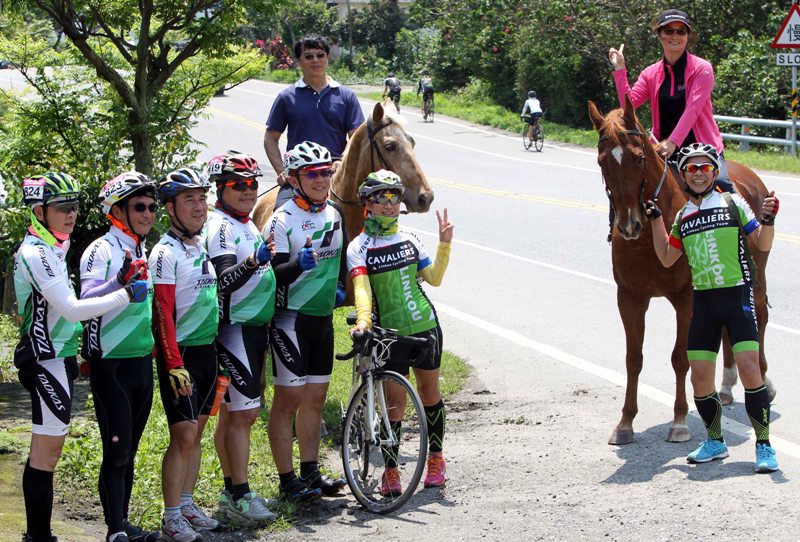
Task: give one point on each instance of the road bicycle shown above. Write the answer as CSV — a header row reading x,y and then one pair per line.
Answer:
x,y
427,107
395,97
538,134
371,435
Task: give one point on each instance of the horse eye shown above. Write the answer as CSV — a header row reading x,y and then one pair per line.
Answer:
x,y
390,146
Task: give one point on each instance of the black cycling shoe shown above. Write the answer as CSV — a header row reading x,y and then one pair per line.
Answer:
x,y
296,491
137,534
27,538
328,486
122,537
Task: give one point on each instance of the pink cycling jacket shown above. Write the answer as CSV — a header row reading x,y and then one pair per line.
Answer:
x,y
698,115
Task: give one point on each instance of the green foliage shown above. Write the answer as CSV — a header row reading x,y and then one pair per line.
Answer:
x,y
9,337
376,25
302,18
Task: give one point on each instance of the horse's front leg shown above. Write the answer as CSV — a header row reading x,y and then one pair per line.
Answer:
x,y
679,430
632,308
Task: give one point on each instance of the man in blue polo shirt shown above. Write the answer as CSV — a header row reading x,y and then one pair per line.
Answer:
x,y
315,108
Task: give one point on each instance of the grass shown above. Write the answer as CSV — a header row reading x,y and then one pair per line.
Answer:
x,y
79,466
9,337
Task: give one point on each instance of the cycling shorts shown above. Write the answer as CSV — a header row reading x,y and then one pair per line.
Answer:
x,y
394,92
403,356
427,93
302,348
201,362
729,308
50,384
242,350
533,116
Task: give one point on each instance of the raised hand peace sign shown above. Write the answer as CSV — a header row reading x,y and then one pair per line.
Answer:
x,y
445,227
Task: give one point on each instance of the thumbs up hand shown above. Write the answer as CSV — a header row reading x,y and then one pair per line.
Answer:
x,y
307,258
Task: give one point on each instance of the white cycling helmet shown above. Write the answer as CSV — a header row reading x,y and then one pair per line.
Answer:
x,y
698,149
125,185
306,154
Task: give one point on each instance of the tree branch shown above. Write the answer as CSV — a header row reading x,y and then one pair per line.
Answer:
x,y
118,42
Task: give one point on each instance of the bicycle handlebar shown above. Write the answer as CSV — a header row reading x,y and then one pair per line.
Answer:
x,y
361,339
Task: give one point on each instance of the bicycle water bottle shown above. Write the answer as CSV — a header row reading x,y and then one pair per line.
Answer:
x,y
220,389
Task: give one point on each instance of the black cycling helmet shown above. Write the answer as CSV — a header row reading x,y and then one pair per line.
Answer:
x,y
390,75
380,181
531,94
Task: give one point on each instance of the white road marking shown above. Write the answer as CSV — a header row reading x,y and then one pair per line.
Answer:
x,y
645,390
609,282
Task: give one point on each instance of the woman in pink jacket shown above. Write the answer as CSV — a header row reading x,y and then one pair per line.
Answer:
x,y
679,90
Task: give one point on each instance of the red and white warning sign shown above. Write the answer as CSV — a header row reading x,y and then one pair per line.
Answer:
x,y
789,33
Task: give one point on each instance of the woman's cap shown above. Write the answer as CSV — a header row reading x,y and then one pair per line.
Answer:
x,y
674,16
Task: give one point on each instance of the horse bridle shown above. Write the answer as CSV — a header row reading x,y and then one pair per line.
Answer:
x,y
644,179
371,133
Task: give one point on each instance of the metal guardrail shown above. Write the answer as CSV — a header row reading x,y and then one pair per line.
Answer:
x,y
744,138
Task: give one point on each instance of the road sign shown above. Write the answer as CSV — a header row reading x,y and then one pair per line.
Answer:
x,y
789,34
788,59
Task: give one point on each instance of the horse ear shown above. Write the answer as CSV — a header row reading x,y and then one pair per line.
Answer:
x,y
377,113
630,112
596,116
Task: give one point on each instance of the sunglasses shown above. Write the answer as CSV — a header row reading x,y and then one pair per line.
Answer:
x,y
318,173
390,197
66,208
311,56
141,207
678,31
243,185
694,168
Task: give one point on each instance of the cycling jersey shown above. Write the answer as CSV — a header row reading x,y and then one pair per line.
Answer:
x,y
711,238
125,332
393,83
392,264
425,85
253,302
186,308
49,312
311,292
532,105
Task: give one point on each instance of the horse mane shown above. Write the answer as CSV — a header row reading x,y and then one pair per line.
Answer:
x,y
614,127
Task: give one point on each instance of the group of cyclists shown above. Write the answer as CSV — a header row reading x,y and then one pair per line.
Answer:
x,y
392,88
211,297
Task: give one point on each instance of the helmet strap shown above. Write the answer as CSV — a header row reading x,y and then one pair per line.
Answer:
x,y
704,192
306,203
178,225
230,211
40,229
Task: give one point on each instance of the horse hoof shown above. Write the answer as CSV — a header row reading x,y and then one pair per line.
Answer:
x,y
621,436
726,398
679,433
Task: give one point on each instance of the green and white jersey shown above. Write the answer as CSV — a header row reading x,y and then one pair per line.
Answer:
x,y
392,264
314,291
252,304
188,268
44,332
124,332
711,238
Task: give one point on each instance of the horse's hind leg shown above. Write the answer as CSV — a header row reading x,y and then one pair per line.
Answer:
x,y
729,373
762,317
679,429
632,310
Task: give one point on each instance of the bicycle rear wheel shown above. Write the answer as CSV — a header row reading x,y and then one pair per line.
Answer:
x,y
526,142
430,109
365,462
538,138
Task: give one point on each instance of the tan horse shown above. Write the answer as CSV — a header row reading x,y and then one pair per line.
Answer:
x,y
632,172
379,143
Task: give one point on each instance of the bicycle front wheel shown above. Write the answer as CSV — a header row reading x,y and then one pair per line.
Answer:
x,y
526,142
538,138
383,473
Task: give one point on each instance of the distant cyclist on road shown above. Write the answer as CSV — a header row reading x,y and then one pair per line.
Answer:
x,y
425,86
119,344
387,264
186,319
50,315
533,110
391,88
246,303
708,230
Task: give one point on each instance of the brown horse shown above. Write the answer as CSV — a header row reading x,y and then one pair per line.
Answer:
x,y
632,172
379,143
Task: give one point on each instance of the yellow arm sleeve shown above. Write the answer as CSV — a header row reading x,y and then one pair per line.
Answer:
x,y
362,292
434,273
